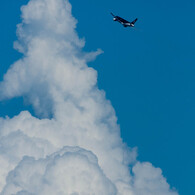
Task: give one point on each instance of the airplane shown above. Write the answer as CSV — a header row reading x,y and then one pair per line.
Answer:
x,y
124,22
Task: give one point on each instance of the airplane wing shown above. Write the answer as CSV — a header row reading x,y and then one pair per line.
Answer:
x,y
112,14
134,21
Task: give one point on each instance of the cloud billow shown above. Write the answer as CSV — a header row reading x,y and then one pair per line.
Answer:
x,y
73,145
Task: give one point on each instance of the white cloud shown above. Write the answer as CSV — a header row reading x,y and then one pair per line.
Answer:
x,y
54,77
72,170
149,180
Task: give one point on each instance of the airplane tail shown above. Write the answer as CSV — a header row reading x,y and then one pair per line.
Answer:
x,y
134,21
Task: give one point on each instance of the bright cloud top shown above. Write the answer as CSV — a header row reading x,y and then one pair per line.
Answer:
x,y
74,147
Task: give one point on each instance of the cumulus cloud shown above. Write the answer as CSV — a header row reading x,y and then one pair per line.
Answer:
x,y
72,170
149,180
73,145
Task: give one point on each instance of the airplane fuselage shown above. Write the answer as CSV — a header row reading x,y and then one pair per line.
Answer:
x,y
124,22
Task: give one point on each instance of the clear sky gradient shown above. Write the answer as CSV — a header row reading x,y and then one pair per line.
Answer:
x,y
147,73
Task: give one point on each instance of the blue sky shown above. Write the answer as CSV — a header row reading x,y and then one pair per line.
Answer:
x,y
148,74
